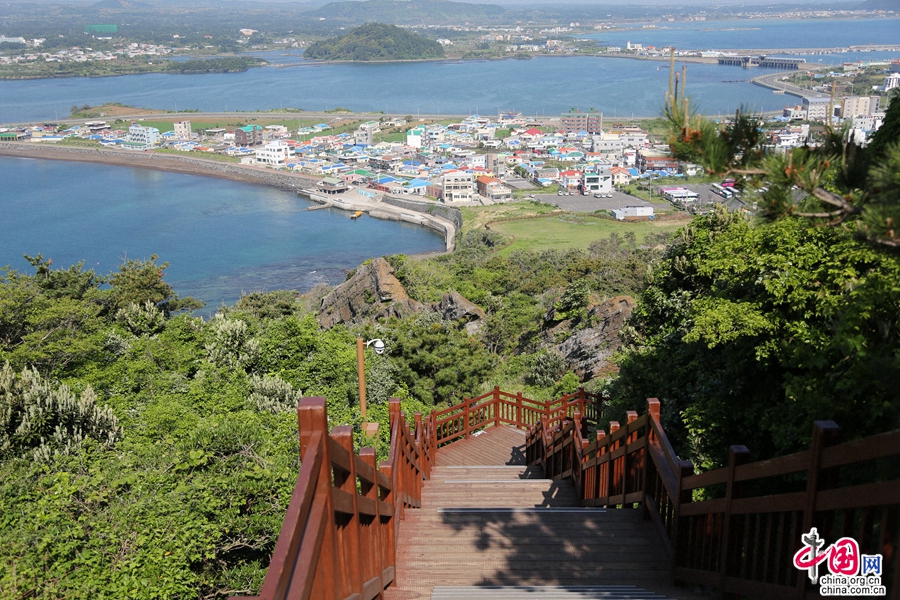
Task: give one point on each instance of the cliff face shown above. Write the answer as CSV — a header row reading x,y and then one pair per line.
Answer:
x,y
371,293
374,292
587,351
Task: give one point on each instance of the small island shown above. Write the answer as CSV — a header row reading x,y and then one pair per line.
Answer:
x,y
376,41
128,66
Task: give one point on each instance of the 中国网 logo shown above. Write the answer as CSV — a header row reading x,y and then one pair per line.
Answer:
x,y
849,572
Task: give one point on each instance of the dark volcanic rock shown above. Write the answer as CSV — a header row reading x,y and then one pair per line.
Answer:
x,y
372,292
588,351
454,306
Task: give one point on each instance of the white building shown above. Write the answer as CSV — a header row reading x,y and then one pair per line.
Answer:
x,y
458,186
852,106
273,154
631,212
182,130
817,108
141,138
598,182
892,81
414,137
365,135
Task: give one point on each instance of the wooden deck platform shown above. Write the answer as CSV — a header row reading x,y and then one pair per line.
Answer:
x,y
489,447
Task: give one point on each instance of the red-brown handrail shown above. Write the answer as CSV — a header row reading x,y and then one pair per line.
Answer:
x,y
743,541
502,408
339,536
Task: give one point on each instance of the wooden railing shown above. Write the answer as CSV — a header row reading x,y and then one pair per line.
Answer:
x,y
501,408
741,538
338,540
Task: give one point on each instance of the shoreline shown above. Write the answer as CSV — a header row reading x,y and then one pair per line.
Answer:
x,y
376,207
856,48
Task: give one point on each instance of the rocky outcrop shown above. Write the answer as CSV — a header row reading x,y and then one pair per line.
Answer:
x,y
587,351
454,307
372,292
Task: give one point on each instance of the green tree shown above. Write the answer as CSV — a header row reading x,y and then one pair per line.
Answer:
x,y
750,333
140,281
841,184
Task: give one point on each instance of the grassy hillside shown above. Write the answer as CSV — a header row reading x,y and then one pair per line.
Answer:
x,y
376,41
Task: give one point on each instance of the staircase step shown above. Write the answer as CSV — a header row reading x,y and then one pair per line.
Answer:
x,y
503,510
505,472
566,592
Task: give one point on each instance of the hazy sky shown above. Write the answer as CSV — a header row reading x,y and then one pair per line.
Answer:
x,y
668,3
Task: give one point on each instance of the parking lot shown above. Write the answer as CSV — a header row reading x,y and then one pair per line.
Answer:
x,y
579,203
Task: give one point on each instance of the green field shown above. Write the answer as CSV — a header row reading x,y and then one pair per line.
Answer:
x,y
568,230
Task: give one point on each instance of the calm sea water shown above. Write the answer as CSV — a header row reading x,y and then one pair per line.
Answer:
x,y
760,33
541,86
221,237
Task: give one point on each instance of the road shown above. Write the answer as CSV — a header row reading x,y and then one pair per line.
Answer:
x,y
773,82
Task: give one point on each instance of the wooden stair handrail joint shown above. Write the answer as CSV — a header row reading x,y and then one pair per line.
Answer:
x,y
338,540
741,544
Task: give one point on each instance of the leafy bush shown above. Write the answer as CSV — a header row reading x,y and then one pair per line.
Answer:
x,y
546,368
144,319
273,394
46,421
231,345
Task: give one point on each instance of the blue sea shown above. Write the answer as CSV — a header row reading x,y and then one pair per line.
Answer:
x,y
545,85
759,34
222,238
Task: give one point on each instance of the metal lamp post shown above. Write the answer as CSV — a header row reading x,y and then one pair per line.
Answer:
x,y
361,368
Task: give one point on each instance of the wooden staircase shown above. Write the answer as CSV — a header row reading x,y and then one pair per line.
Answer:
x,y
467,506
504,531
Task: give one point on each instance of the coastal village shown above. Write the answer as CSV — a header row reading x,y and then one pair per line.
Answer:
x,y
477,160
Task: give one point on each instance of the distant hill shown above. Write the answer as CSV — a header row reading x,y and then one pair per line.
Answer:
x,y
407,12
123,4
881,5
375,41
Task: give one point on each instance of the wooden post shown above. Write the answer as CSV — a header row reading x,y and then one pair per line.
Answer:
x,y
628,462
361,374
685,469
466,426
390,532
375,547
652,415
420,442
497,405
519,422
737,455
432,448
397,473
825,433
611,479
652,410
312,417
600,450
349,534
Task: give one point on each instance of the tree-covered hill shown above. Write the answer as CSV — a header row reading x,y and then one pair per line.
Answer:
x,y
376,41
